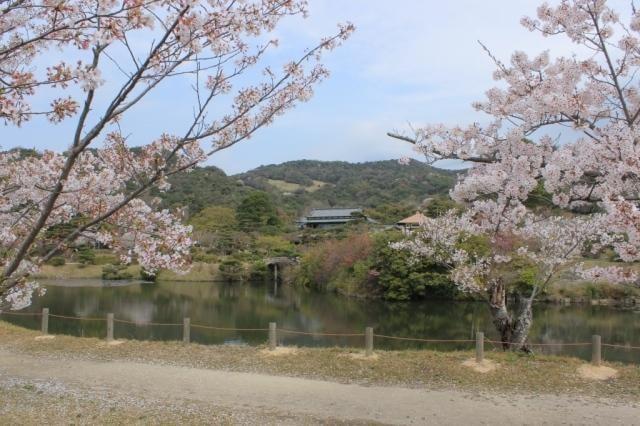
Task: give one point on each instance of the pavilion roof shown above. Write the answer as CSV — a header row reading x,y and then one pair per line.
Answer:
x,y
416,219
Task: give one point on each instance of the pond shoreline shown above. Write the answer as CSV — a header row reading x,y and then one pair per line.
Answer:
x,y
537,374
241,314
96,281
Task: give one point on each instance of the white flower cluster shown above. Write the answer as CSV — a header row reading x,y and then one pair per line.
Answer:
x,y
515,157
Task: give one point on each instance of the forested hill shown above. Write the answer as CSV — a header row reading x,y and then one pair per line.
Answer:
x,y
383,187
297,186
338,183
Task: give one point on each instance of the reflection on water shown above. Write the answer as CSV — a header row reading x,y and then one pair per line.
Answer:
x,y
252,306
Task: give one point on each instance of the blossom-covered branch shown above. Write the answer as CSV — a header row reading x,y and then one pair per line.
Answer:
x,y
569,124
591,170
98,183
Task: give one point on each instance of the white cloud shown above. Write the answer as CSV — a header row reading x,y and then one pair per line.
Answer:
x,y
410,61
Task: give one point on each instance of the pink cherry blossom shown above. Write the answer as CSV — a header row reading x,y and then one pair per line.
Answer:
x,y
61,49
593,173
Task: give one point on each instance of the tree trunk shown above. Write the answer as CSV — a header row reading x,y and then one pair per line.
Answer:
x,y
514,332
522,325
501,318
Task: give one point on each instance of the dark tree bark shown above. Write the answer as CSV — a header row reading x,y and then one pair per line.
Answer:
x,y
514,331
522,324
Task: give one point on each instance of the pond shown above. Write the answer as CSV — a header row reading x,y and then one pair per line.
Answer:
x,y
249,306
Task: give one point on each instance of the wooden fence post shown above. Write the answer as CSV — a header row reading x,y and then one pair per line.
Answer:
x,y
186,330
45,320
273,338
368,341
596,349
109,327
479,347
275,279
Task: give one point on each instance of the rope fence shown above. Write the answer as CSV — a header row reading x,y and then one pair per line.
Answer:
x,y
596,342
161,324
317,333
543,344
21,313
415,339
208,327
608,345
75,318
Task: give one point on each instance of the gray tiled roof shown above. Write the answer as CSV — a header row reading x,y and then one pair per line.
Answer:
x,y
321,213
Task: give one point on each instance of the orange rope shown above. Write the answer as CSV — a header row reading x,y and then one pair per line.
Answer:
x,y
321,334
228,329
21,313
146,323
424,340
78,318
620,346
541,344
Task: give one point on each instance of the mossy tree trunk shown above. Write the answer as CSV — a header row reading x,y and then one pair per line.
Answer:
x,y
513,327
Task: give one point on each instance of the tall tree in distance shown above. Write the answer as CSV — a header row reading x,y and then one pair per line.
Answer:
x,y
592,99
256,210
217,46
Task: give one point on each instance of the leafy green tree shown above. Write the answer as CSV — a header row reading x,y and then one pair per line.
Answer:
x,y
257,211
214,219
401,277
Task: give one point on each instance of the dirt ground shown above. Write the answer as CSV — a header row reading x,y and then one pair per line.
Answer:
x,y
70,380
158,393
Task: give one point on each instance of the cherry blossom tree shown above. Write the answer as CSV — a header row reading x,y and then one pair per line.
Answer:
x,y
520,260
87,64
569,125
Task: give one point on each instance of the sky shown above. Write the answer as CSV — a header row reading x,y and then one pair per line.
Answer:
x,y
410,62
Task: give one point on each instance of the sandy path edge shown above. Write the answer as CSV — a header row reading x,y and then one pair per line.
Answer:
x,y
395,405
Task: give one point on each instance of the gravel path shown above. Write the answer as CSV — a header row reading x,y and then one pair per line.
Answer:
x,y
312,400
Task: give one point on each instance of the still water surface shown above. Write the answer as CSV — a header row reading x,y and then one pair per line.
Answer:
x,y
254,306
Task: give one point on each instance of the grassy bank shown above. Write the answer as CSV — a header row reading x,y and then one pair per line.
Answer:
x,y
73,271
423,369
199,272
566,288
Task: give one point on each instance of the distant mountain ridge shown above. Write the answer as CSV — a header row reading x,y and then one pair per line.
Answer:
x,y
301,185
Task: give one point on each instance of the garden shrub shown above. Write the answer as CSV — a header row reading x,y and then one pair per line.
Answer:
x,y
231,270
57,261
259,271
86,256
116,272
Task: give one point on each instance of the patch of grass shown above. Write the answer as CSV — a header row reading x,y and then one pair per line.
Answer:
x,y
78,271
285,186
411,368
200,272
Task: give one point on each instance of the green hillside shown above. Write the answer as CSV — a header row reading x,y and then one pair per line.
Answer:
x,y
202,187
385,189
298,186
